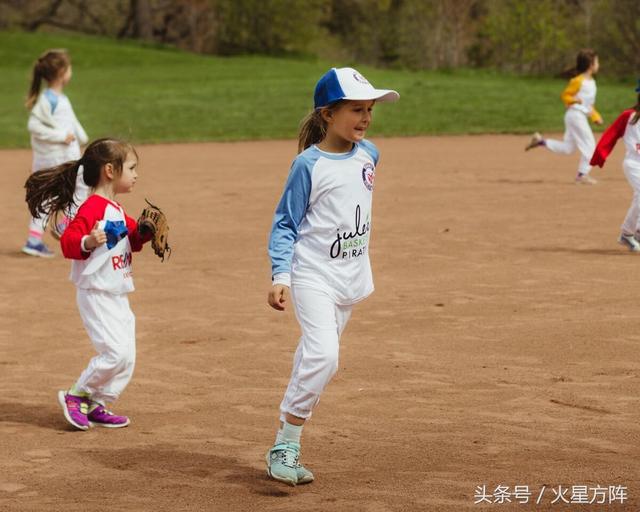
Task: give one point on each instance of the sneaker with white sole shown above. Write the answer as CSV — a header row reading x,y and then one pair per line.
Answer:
x,y
37,249
75,409
536,140
630,242
304,475
100,416
282,462
585,179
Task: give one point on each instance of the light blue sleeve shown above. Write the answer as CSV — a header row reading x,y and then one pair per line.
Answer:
x,y
289,214
53,99
370,148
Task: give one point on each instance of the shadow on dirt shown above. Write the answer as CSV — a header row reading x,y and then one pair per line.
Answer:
x,y
160,465
44,416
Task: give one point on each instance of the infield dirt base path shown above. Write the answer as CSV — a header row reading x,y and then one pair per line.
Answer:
x,y
501,346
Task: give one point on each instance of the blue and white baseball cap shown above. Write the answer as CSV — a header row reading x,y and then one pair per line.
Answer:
x,y
347,84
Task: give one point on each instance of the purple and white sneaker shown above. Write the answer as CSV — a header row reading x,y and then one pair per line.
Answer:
x,y
75,409
100,416
37,249
536,141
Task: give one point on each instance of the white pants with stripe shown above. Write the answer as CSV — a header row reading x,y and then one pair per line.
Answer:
x,y
316,359
631,223
577,134
111,325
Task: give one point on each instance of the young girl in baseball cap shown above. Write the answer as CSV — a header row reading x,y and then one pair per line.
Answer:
x,y
319,247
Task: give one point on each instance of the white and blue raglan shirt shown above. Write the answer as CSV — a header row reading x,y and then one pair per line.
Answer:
x,y
50,121
321,227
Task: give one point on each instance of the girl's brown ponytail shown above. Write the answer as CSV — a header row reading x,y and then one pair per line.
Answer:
x,y
49,66
584,60
50,191
313,127
34,89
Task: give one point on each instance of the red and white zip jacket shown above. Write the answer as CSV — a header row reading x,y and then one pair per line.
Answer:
x,y
105,268
621,128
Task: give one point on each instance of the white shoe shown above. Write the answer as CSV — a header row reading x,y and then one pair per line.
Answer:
x,y
536,140
630,242
282,462
585,179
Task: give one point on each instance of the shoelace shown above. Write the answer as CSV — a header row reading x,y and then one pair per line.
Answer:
x,y
289,457
104,411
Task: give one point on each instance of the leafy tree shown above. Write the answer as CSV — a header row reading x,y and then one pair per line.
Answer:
x,y
617,36
530,37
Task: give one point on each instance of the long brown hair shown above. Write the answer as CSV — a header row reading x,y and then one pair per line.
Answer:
x,y
636,107
50,191
584,60
313,127
49,66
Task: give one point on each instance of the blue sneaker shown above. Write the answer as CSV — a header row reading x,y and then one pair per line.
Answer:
x,y
282,462
37,249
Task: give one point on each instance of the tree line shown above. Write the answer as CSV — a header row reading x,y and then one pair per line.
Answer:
x,y
521,36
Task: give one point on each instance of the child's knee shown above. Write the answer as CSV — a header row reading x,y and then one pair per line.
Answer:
x,y
329,359
122,358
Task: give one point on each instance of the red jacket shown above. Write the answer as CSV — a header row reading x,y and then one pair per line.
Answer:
x,y
609,138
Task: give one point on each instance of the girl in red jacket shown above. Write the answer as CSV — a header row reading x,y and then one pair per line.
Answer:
x,y
99,240
627,128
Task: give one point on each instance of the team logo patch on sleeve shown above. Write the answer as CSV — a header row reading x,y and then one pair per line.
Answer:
x,y
368,175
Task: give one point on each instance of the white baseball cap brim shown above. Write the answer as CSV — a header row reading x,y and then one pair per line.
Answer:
x,y
375,94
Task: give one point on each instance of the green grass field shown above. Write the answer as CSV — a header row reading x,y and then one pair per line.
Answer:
x,y
152,94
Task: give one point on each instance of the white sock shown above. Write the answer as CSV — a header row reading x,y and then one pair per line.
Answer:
x,y
289,433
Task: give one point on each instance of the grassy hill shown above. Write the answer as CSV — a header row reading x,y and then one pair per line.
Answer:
x,y
156,94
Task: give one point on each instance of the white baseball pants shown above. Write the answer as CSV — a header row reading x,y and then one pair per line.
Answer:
x,y
631,223
316,359
111,326
577,134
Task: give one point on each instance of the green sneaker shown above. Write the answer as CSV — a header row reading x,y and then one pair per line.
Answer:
x,y
282,462
304,475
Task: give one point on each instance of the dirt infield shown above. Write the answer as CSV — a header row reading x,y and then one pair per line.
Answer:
x,y
500,346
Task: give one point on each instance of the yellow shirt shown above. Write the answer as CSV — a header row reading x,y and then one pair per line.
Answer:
x,y
580,94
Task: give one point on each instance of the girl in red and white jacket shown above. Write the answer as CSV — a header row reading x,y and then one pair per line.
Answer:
x,y
627,128
100,240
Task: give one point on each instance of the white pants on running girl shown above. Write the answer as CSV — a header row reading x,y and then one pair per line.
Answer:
x,y
577,134
316,359
631,223
111,325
